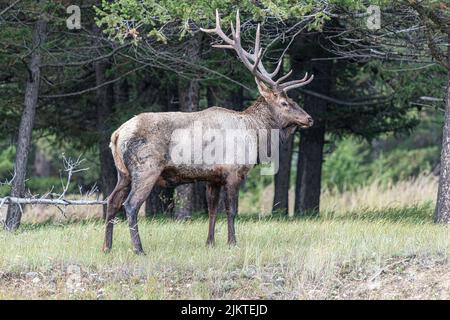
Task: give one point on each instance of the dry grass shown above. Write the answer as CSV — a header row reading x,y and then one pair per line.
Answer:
x,y
414,192
372,243
292,259
375,196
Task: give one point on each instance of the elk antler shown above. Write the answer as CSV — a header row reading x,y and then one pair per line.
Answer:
x,y
252,61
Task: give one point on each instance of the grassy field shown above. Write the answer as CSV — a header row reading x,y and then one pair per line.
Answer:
x,y
380,252
375,196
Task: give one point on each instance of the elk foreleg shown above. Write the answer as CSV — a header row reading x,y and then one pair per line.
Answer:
x,y
231,201
212,196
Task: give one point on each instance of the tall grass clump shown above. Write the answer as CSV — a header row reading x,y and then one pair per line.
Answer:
x,y
378,195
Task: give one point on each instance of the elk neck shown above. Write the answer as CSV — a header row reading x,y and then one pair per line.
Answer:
x,y
262,116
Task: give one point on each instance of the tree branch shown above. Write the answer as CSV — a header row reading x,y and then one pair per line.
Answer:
x,y
362,102
9,7
77,93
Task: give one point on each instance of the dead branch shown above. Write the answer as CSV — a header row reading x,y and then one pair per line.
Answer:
x,y
71,166
46,201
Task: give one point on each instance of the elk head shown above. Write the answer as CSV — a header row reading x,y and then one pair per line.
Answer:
x,y
288,112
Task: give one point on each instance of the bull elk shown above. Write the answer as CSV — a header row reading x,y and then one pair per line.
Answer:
x,y
142,147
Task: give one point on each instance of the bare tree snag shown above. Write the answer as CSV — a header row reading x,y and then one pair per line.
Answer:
x,y
436,20
14,213
442,213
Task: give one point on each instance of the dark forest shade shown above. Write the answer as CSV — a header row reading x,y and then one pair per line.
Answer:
x,y
160,201
443,200
310,153
282,178
105,102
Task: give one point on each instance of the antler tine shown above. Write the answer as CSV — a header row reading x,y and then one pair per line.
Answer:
x,y
252,61
258,51
261,67
218,31
245,56
283,77
258,39
233,32
267,74
257,60
277,69
238,27
222,46
289,83
296,83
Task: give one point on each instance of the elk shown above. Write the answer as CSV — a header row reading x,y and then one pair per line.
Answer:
x,y
142,147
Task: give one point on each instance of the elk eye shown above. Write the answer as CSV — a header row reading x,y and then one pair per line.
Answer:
x,y
284,104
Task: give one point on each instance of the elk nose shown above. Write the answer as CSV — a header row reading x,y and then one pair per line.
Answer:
x,y
310,121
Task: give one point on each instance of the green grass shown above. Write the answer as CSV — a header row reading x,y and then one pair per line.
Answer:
x,y
416,213
275,257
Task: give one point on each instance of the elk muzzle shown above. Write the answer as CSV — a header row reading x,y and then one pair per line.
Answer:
x,y
305,122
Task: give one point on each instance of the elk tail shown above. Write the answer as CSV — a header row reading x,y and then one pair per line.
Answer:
x,y
118,160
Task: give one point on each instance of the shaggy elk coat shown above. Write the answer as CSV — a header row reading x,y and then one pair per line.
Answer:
x,y
143,147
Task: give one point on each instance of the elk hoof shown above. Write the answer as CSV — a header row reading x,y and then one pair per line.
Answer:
x,y
140,252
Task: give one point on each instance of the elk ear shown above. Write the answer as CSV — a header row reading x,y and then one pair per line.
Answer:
x,y
263,89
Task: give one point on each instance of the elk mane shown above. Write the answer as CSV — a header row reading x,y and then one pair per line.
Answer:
x,y
262,117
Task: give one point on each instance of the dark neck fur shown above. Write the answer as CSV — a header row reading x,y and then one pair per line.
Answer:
x,y
263,117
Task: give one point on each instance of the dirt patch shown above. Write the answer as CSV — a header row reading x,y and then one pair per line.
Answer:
x,y
407,278
399,278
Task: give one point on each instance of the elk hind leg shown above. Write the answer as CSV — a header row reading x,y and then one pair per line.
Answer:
x,y
141,186
115,201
